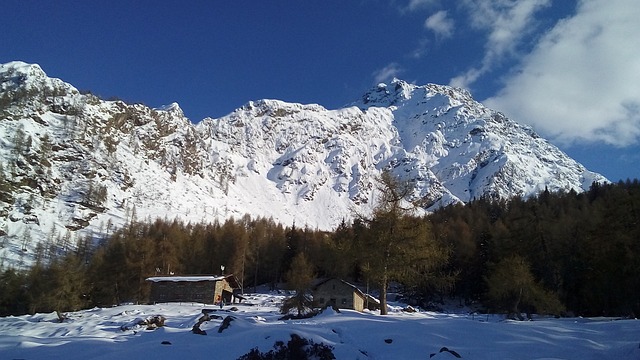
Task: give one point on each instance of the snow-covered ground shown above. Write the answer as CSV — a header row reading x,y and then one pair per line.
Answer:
x,y
97,334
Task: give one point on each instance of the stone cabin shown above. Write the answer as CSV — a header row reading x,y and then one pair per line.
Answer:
x,y
206,289
342,295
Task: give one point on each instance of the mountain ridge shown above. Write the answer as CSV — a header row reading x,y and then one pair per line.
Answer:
x,y
74,165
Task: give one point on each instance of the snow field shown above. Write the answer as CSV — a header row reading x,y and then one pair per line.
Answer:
x,y
97,334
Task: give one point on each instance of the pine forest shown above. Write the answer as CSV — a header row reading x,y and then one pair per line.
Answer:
x,y
555,253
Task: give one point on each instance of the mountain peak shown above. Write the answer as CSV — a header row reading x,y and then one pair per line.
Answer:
x,y
17,73
173,108
399,91
30,77
22,68
383,95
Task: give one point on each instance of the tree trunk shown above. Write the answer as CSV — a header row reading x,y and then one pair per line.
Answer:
x,y
515,311
255,273
383,295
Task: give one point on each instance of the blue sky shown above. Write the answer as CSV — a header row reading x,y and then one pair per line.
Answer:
x,y
570,69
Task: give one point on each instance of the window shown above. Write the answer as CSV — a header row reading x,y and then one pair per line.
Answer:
x,y
344,301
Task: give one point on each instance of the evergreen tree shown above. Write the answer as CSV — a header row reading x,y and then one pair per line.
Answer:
x,y
14,299
45,150
68,291
337,253
294,244
19,142
26,238
299,278
512,288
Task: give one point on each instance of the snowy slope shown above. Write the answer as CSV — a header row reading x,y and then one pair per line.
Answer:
x,y
73,165
467,150
111,333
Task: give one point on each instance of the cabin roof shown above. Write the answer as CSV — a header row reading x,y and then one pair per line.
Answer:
x,y
324,281
192,278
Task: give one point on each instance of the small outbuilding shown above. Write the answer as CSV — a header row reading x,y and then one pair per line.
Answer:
x,y
342,295
206,289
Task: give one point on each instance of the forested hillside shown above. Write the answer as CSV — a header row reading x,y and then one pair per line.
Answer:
x,y
558,253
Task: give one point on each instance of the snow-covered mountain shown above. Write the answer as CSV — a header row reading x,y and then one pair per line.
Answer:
x,y
74,165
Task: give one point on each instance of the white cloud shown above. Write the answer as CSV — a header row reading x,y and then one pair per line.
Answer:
x,y
440,24
387,73
421,50
507,22
581,82
419,4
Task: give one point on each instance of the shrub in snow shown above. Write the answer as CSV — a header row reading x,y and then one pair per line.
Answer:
x,y
296,349
446,351
298,306
151,323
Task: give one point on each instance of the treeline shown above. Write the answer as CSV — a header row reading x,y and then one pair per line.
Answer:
x,y
555,253
581,249
257,251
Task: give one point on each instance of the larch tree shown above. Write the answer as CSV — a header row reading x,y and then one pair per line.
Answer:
x,y
397,246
